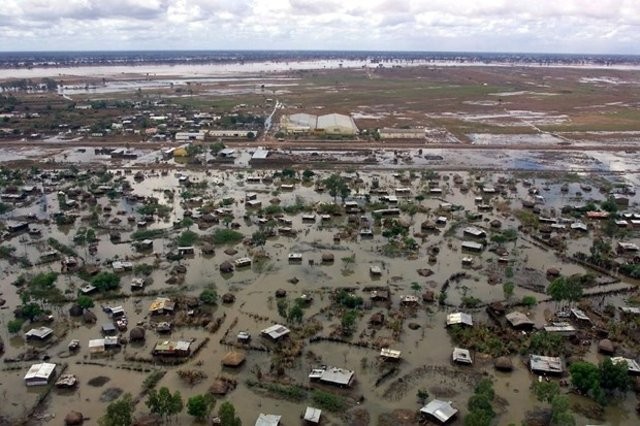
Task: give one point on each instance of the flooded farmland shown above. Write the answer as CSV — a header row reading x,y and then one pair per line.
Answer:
x,y
389,249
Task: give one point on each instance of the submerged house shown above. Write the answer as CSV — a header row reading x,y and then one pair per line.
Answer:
x,y
442,411
545,364
180,348
39,374
333,375
275,332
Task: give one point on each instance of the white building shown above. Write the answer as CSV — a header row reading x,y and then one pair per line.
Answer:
x,y
39,374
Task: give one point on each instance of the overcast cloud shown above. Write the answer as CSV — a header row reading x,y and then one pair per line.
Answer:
x,y
563,26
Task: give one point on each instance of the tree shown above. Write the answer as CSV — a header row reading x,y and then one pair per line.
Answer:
x,y
422,395
296,313
614,376
507,289
106,281
119,412
308,174
348,321
227,414
163,403
251,135
415,286
15,325
198,406
288,173
209,296
585,377
84,301
31,310
336,185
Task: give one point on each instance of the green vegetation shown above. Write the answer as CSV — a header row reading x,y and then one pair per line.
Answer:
x,y
529,301
348,300
328,401
163,403
187,238
564,289
143,269
549,392
507,288
600,381
348,322
147,234
84,302
208,296
337,186
57,245
481,412
198,406
227,414
226,236
15,325
289,392
106,281
543,343
119,412
154,208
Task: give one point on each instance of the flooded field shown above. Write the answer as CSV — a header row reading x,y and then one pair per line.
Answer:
x,y
398,233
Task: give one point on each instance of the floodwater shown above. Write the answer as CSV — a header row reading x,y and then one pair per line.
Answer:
x,y
426,351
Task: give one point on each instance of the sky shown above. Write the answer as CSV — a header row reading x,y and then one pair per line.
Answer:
x,y
552,26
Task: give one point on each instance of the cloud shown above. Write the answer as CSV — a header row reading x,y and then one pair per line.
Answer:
x,y
507,25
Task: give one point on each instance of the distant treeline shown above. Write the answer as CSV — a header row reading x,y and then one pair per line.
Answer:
x,y
58,59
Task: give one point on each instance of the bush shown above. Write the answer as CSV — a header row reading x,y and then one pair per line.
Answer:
x,y
106,281
84,302
15,325
209,297
328,401
529,301
187,238
226,236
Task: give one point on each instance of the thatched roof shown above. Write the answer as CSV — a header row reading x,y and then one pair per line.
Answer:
x,y
233,359
136,333
73,418
89,316
75,310
503,363
226,266
219,387
328,257
605,346
231,251
207,248
228,298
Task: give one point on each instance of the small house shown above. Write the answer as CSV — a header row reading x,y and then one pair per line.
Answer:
x,y
333,375
312,415
275,332
96,346
161,306
545,364
441,411
472,246
40,333
390,354
295,257
474,232
459,318
562,328
186,251
519,321
632,365
137,284
268,420
108,329
409,300
39,374
180,348
461,356
375,270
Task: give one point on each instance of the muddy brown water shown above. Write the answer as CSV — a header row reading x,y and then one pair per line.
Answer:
x,y
426,351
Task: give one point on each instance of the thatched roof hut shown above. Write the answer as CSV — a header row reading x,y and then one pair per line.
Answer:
x,y
73,418
207,248
89,316
226,267
606,347
136,334
281,292
328,257
503,363
428,296
219,387
377,319
75,310
233,359
228,298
